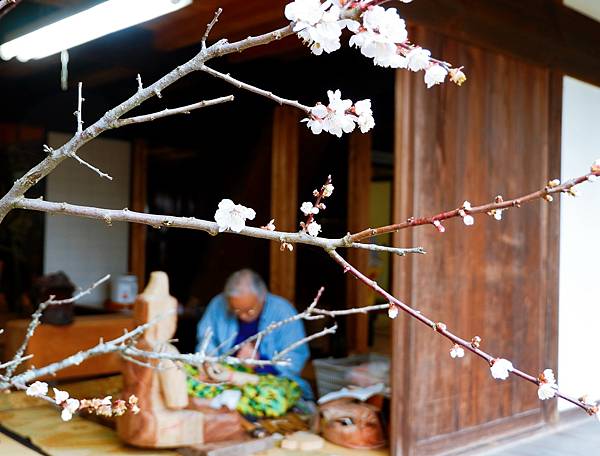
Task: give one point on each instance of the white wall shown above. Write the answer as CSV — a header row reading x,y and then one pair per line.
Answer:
x,y
579,300
86,250
590,8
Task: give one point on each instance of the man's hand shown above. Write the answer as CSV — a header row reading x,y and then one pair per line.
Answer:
x,y
247,352
222,374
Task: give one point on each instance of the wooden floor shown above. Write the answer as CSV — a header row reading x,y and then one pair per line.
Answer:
x,y
582,439
24,418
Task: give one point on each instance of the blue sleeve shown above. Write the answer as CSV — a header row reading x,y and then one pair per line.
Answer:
x,y
209,320
268,369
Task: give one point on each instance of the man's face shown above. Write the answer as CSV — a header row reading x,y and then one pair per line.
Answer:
x,y
245,306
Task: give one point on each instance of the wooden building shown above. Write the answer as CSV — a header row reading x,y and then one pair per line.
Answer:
x,y
500,133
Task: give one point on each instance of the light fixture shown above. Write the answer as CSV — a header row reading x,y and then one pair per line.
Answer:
x,y
107,17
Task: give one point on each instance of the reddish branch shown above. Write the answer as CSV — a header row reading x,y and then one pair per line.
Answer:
x,y
319,195
498,205
472,346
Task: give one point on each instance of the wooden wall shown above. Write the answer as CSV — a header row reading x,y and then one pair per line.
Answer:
x,y
495,135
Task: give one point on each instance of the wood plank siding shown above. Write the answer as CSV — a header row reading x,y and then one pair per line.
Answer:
x,y
491,136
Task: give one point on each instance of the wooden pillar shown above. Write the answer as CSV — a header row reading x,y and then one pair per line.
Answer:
x,y
552,247
359,183
137,233
284,199
402,208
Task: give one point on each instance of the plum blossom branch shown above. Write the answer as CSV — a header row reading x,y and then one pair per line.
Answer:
x,y
158,221
250,88
502,367
378,32
298,343
309,209
210,26
171,112
107,121
15,360
35,321
494,209
78,113
90,166
112,346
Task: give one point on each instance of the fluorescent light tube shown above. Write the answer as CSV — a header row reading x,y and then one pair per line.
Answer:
x,y
100,20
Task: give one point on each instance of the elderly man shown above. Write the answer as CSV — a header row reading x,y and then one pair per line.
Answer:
x,y
243,309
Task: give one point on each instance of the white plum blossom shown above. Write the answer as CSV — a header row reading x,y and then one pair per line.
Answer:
x,y
70,407
303,13
392,311
340,116
441,228
60,396
232,216
418,59
382,29
365,115
325,36
497,213
457,76
457,351
468,220
307,208
315,122
501,368
386,23
435,74
313,228
546,391
270,226
37,389
317,24
547,388
328,188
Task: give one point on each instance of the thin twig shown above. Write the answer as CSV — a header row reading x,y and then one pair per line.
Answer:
x,y
148,365
298,343
498,205
250,88
112,346
78,113
197,358
171,112
35,321
210,26
17,360
92,167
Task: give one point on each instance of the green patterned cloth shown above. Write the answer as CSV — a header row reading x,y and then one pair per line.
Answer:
x,y
271,397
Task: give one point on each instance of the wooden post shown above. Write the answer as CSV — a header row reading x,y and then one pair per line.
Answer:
x,y
400,431
359,183
284,199
137,233
552,221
